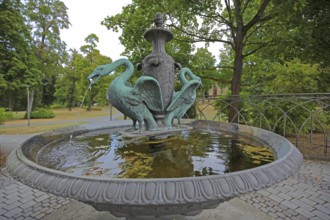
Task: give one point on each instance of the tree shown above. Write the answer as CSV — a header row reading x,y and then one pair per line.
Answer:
x,y
311,35
310,38
300,39
18,65
94,59
277,78
203,65
236,23
90,48
67,92
46,18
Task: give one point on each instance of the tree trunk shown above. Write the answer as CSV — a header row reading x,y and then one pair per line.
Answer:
x,y
89,107
236,82
30,102
91,100
10,102
235,88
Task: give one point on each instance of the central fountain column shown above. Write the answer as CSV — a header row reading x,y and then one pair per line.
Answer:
x,y
160,65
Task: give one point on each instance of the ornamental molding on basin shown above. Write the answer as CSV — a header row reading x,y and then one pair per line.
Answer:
x,y
165,197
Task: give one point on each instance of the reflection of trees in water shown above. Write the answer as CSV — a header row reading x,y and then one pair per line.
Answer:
x,y
248,154
162,157
189,153
99,145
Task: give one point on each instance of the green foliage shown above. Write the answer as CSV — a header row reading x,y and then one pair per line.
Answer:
x,y
18,64
223,104
203,65
265,77
294,77
57,106
311,35
5,115
41,113
46,18
283,114
302,36
91,41
72,85
66,85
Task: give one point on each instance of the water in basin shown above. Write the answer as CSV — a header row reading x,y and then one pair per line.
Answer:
x,y
186,153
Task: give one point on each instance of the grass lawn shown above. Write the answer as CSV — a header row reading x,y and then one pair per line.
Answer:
x,y
18,125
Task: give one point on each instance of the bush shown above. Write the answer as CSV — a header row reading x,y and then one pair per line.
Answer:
x,y
57,106
41,113
5,115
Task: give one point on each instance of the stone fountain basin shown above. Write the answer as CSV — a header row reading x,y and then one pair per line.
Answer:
x,y
147,198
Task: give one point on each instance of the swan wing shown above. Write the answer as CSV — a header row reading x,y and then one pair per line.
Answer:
x,y
133,99
150,92
184,96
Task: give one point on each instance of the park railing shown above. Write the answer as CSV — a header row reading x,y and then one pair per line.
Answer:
x,y
302,118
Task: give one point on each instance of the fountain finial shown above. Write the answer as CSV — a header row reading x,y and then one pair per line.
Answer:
x,y
159,21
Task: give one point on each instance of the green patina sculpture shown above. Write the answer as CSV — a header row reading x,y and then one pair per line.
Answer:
x,y
152,99
133,101
183,99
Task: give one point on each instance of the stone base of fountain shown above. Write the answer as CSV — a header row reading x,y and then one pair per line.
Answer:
x,y
150,198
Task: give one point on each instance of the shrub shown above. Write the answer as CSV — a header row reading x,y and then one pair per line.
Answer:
x,y
5,115
41,113
57,106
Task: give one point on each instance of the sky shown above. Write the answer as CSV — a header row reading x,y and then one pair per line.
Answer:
x,y
85,17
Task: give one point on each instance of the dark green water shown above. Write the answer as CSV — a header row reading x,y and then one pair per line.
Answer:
x,y
183,154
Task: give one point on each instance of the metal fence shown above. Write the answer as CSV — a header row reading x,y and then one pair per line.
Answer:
x,y
302,118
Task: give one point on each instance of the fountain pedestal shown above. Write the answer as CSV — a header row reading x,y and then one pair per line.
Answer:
x,y
160,65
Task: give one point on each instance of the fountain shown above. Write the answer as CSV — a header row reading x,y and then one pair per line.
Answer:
x,y
57,163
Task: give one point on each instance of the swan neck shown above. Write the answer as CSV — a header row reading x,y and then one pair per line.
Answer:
x,y
128,71
182,75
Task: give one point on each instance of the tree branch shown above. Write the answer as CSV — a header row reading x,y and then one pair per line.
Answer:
x,y
200,38
258,15
245,6
221,20
214,79
212,68
262,45
233,28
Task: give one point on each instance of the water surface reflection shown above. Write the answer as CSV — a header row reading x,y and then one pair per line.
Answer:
x,y
183,154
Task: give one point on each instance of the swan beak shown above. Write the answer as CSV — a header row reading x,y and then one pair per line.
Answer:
x,y
94,77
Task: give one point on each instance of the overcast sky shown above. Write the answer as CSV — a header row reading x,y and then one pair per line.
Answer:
x,y
85,17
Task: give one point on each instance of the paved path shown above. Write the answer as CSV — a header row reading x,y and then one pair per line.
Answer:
x,y
306,195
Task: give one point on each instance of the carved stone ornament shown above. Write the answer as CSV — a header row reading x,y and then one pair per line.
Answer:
x,y
147,198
